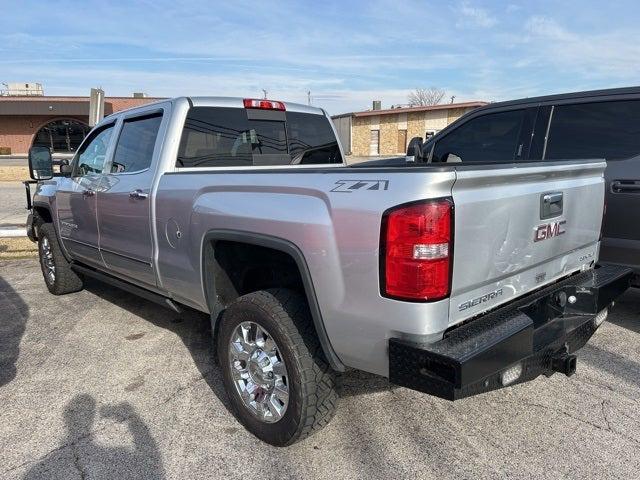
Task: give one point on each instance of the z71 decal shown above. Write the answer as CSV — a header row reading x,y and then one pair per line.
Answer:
x,y
350,186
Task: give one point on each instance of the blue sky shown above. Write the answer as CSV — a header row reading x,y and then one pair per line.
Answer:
x,y
346,53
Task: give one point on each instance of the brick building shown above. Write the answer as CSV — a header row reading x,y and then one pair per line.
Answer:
x,y
58,122
387,132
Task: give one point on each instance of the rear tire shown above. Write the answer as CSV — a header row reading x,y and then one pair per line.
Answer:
x,y
56,270
283,322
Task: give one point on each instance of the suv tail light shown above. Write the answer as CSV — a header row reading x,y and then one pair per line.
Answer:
x,y
416,249
263,104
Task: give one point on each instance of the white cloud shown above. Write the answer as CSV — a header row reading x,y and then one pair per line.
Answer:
x,y
475,16
613,55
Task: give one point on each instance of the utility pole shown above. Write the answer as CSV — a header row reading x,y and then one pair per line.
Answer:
x,y
96,106
308,97
265,93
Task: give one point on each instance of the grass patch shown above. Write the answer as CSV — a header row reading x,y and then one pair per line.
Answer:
x,y
13,248
13,173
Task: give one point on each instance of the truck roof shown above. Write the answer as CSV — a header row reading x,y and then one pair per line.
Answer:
x,y
609,92
228,102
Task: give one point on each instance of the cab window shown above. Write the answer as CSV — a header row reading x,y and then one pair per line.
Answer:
x,y
136,143
92,153
608,130
489,138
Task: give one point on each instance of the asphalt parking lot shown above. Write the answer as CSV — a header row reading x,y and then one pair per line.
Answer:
x,y
101,384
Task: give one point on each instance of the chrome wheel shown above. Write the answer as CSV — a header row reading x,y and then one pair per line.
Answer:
x,y
47,260
258,372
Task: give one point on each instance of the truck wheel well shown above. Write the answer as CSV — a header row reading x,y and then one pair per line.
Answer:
x,y
43,214
233,267
240,268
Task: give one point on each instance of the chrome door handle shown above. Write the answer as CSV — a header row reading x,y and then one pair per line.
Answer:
x,y
552,197
138,194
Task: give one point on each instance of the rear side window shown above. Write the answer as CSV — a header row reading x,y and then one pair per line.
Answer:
x,y
609,130
229,137
489,138
134,150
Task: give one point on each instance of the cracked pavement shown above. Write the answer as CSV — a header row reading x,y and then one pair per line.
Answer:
x,y
102,384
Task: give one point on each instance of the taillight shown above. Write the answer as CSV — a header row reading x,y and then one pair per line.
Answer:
x,y
416,249
263,104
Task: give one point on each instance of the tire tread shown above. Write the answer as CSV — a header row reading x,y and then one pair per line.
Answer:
x,y
318,386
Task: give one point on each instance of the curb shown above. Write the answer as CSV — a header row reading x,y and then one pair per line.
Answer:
x,y
13,232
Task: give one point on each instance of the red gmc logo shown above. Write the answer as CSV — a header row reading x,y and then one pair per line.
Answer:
x,y
549,230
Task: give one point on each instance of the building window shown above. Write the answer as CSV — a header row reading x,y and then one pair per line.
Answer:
x,y
61,136
374,143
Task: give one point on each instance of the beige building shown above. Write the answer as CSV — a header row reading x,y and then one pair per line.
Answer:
x,y
387,132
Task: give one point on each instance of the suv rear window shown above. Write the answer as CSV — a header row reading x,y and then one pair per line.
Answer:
x,y
229,137
608,130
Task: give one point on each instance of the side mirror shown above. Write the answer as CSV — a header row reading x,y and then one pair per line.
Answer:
x,y
414,150
40,163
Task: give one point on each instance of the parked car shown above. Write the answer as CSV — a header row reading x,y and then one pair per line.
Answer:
x,y
451,279
596,124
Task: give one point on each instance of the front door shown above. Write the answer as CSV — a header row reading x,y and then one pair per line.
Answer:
x,y
76,198
402,141
374,143
124,201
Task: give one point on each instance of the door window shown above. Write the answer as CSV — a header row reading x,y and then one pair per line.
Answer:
x,y
489,138
134,150
93,152
608,130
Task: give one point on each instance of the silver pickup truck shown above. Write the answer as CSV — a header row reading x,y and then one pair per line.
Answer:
x,y
451,279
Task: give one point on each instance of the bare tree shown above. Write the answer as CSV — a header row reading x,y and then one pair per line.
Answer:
x,y
425,96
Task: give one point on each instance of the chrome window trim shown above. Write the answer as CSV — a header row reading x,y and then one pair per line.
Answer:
x,y
546,135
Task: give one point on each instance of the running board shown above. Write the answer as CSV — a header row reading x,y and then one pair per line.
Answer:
x,y
128,287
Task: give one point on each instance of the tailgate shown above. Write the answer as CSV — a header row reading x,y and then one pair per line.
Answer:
x,y
519,228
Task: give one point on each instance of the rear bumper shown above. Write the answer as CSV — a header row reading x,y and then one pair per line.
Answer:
x,y
539,332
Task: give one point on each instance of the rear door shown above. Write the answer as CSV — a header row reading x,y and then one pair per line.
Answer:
x,y
124,199
609,130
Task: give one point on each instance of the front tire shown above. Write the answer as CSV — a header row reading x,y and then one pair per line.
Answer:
x,y
56,270
280,385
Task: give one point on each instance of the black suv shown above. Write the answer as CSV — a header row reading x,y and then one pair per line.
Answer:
x,y
595,124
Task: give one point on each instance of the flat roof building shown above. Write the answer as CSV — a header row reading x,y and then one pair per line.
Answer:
x,y
387,132
59,122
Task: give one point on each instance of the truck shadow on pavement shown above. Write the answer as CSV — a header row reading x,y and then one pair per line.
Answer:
x,y
14,313
194,330
80,455
192,327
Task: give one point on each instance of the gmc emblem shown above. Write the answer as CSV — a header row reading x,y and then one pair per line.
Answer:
x,y
548,230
